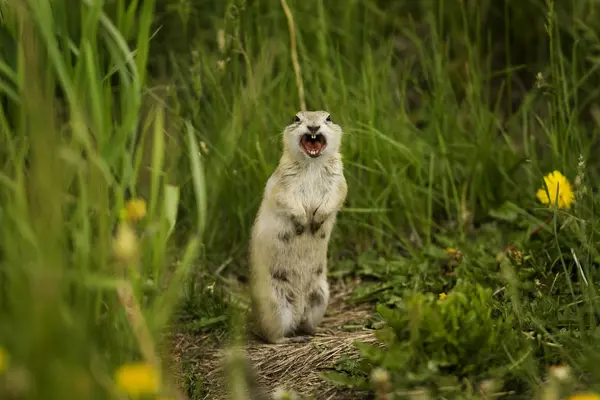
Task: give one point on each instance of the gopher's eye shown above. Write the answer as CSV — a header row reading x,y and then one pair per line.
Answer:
x,y
296,119
328,119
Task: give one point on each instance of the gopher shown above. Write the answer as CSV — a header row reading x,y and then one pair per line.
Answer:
x,y
290,235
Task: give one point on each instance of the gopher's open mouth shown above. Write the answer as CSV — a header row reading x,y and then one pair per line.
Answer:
x,y
313,144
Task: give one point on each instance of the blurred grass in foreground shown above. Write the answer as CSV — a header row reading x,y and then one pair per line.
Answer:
x,y
85,286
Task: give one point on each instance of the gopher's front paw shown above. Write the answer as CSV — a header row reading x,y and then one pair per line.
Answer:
x,y
299,222
315,226
317,221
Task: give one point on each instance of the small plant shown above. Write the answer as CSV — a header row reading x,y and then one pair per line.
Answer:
x,y
441,340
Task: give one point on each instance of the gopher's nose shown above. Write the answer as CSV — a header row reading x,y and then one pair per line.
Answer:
x,y
313,129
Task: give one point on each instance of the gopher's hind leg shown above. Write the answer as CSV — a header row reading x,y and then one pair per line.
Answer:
x,y
316,306
276,319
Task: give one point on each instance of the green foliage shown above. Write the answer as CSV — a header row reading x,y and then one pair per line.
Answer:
x,y
442,341
443,124
509,314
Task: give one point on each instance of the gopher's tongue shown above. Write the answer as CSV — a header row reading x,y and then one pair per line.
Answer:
x,y
313,146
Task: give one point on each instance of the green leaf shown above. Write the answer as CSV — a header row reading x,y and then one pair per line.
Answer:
x,y
506,212
343,380
171,206
370,352
197,178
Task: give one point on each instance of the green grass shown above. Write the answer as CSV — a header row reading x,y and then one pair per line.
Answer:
x,y
449,131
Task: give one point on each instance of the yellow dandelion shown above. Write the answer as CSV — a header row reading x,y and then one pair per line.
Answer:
x,y
138,379
455,254
584,396
3,360
125,244
443,296
135,210
558,186
517,256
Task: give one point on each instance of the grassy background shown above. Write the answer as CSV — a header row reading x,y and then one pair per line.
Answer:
x,y
453,112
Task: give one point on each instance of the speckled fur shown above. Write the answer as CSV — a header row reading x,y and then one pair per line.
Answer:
x,y
290,236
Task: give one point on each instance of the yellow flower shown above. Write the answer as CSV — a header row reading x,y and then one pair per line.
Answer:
x,y
584,396
138,379
557,184
3,360
455,254
516,255
443,296
125,244
135,209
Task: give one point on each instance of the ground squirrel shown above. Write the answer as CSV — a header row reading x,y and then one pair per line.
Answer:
x,y
290,235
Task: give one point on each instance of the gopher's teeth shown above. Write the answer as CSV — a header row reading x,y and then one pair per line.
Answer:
x,y
314,136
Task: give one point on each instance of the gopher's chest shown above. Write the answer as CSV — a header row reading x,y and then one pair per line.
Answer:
x,y
311,190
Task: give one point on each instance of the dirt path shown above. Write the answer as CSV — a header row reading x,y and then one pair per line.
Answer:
x,y
294,367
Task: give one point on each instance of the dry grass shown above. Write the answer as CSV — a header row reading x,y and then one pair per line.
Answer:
x,y
294,366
